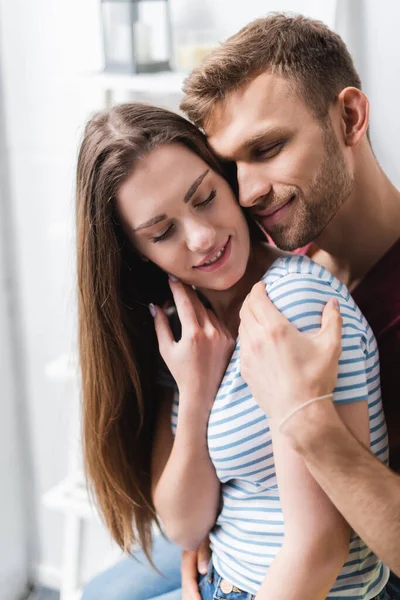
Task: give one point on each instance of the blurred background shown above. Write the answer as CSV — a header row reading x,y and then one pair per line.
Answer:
x,y
61,61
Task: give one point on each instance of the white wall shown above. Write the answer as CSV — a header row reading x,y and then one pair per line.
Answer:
x,y
370,29
46,45
14,537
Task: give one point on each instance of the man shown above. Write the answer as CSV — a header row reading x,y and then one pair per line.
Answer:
x,y
282,99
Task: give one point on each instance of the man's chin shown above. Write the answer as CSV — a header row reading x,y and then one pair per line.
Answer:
x,y
287,242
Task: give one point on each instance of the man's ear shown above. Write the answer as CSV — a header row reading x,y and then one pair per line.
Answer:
x,y
354,112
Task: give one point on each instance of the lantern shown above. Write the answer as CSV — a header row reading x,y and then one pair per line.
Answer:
x,y
137,36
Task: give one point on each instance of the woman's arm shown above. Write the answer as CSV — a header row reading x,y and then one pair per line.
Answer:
x,y
316,535
186,489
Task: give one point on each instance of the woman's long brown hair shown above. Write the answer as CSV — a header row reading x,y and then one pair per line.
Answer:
x,y
117,343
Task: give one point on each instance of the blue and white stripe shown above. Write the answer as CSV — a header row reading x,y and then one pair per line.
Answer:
x,y
250,527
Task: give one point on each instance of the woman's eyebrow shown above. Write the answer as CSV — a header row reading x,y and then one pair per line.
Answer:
x,y
188,195
151,222
194,186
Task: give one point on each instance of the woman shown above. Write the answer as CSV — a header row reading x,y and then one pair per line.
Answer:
x,y
151,201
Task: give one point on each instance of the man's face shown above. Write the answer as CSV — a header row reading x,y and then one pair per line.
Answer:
x,y
292,173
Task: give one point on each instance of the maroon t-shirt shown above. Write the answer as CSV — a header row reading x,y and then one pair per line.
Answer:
x,y
378,296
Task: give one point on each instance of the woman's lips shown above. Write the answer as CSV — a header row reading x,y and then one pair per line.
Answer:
x,y
220,261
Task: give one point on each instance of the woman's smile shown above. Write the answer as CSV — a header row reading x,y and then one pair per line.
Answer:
x,y
192,228
217,258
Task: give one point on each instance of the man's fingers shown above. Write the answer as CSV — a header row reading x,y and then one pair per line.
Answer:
x,y
263,308
331,325
203,556
163,330
190,588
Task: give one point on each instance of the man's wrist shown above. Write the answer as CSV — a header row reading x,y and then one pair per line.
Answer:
x,y
309,428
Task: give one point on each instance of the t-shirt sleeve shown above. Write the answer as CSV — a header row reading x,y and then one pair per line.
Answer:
x,y
301,298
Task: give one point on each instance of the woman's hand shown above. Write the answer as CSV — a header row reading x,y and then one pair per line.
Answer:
x,y
187,493
194,562
199,359
283,367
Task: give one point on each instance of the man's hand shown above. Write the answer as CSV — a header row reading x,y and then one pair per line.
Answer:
x,y
283,367
193,563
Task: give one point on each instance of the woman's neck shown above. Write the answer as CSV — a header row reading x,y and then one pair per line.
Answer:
x,y
227,303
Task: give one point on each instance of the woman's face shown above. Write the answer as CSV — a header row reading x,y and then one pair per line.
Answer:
x,y
184,217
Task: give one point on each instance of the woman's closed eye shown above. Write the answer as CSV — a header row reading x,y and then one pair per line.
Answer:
x,y
163,236
167,233
207,201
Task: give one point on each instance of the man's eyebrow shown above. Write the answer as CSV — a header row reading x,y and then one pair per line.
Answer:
x,y
266,136
193,188
151,222
263,136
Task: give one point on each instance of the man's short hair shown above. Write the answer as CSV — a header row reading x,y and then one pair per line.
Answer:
x,y
311,56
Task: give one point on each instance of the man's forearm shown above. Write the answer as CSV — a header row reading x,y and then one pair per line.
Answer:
x,y
288,578
361,487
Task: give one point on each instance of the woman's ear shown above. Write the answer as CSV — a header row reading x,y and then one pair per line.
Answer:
x,y
354,109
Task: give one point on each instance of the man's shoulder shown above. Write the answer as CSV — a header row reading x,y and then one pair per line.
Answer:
x,y
378,294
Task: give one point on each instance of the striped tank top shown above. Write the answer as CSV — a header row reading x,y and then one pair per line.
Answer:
x,y
249,530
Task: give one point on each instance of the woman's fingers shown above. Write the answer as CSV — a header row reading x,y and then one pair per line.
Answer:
x,y
190,310
190,589
163,330
203,556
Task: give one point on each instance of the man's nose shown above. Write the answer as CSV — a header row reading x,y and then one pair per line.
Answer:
x,y
253,184
201,237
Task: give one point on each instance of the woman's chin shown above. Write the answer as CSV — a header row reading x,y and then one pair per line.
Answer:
x,y
226,283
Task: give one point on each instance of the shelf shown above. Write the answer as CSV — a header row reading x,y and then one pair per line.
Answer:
x,y
169,82
71,496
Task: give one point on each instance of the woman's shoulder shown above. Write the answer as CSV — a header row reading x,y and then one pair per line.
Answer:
x,y
299,281
301,270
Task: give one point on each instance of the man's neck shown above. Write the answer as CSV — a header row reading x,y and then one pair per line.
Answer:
x,y
365,227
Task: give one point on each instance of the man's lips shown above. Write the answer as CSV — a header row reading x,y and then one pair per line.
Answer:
x,y
274,214
273,209
212,254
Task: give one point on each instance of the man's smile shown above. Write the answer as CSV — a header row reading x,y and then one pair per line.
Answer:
x,y
274,214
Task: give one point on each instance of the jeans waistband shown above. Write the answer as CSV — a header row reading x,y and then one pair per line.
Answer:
x,y
225,588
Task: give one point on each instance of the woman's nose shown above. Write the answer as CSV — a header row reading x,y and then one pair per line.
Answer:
x,y
201,238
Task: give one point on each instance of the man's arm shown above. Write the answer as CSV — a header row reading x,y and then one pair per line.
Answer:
x,y
294,368
362,488
316,535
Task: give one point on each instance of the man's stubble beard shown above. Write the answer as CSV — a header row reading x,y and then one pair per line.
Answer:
x,y
330,188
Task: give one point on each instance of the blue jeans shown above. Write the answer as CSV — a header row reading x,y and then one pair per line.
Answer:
x,y
212,586
135,579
